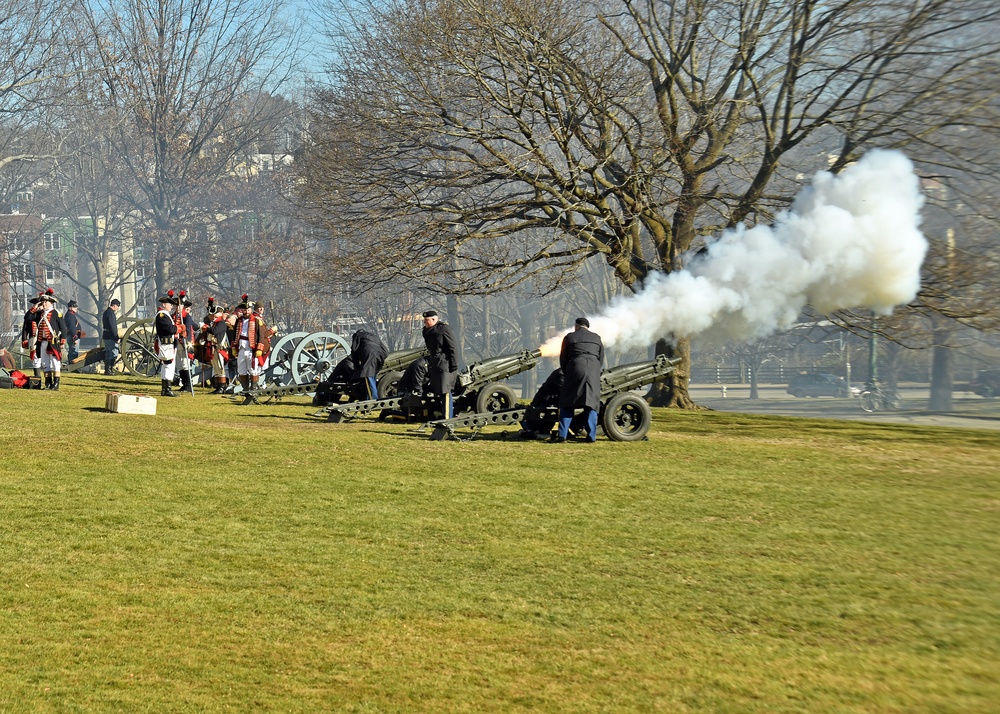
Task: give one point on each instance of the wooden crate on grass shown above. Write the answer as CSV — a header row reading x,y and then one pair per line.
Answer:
x,y
129,403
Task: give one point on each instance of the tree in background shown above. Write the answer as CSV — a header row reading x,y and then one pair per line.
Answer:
x,y
188,85
473,146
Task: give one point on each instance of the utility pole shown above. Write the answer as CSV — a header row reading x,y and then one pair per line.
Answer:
x,y
873,351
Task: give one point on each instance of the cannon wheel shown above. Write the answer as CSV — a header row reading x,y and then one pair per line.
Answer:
x,y
138,353
387,384
495,397
279,360
316,355
626,417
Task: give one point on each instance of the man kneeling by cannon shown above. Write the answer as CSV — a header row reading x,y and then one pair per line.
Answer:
x,y
356,375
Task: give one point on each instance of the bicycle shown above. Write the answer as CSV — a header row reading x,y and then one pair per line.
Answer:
x,y
878,398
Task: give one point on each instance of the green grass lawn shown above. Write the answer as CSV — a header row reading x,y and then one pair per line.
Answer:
x,y
220,557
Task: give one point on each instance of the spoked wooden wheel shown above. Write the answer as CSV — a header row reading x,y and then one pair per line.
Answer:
x,y
279,361
316,355
138,351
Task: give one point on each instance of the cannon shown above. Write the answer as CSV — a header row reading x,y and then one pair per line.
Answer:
x,y
477,389
624,416
387,377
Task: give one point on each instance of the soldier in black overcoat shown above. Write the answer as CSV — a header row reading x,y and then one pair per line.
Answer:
x,y
368,354
109,334
442,360
581,360
414,379
73,331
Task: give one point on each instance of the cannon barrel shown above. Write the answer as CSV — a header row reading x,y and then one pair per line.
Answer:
x,y
623,416
636,374
495,369
474,386
394,362
401,359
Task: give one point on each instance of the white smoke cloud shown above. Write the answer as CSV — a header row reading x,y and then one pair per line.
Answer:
x,y
848,241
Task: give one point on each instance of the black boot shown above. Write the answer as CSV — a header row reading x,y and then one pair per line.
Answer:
x,y
48,380
55,383
166,391
186,380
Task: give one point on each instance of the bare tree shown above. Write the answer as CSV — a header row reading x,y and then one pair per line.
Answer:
x,y
471,145
189,82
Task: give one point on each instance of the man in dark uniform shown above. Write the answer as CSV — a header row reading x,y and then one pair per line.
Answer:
x,y
368,354
73,332
581,358
166,341
538,419
332,389
183,319
442,361
414,379
109,333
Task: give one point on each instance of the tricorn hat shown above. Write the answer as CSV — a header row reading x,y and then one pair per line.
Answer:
x,y
184,299
49,295
169,298
245,303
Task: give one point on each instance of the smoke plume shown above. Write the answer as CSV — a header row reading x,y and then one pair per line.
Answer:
x,y
848,241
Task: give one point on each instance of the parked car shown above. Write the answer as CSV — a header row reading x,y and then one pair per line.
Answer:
x,y
987,383
820,384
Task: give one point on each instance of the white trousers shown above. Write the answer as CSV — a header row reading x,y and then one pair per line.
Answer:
x,y
48,363
168,361
246,363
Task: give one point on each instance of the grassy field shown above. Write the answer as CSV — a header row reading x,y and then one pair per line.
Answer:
x,y
217,557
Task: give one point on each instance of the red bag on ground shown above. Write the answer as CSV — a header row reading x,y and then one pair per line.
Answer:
x,y
19,378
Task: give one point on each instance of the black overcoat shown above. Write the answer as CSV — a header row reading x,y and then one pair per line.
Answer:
x,y
72,326
166,330
581,358
442,362
109,326
27,331
368,354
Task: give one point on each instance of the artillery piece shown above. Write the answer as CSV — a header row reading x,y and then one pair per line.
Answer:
x,y
392,370
624,416
477,389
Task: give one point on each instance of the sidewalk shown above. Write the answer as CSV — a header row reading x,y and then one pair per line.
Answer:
x,y
969,410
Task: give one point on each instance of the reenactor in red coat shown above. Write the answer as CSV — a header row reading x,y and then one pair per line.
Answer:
x,y
50,338
252,342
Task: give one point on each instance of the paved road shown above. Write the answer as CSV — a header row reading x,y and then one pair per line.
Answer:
x,y
969,411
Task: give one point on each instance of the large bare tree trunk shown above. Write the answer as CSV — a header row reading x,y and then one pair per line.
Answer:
x,y
456,318
674,391
942,375
162,276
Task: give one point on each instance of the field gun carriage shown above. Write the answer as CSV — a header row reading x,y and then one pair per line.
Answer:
x,y
624,415
337,388
477,389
